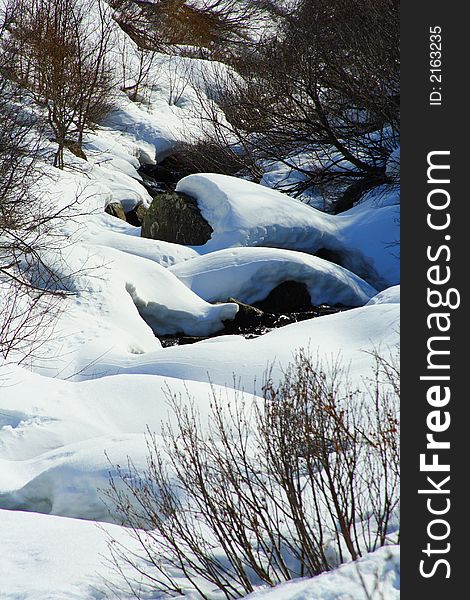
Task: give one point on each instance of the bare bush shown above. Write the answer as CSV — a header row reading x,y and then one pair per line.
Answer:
x,y
32,283
265,492
211,28
59,53
23,227
319,95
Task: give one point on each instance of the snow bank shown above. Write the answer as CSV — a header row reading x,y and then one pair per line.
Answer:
x,y
53,558
119,302
243,213
67,481
55,443
110,232
376,575
165,303
389,296
249,274
350,334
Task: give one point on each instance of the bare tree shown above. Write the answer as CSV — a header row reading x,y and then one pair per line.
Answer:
x,y
212,28
31,285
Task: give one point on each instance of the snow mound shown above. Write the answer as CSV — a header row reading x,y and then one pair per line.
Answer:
x,y
110,232
166,304
249,274
389,296
242,213
83,569
55,558
350,334
376,575
55,443
118,303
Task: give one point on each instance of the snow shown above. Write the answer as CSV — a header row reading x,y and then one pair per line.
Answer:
x,y
70,558
59,446
109,232
249,274
82,404
349,335
376,575
53,558
243,213
390,295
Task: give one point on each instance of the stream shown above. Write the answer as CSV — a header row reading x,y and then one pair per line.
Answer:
x,y
286,304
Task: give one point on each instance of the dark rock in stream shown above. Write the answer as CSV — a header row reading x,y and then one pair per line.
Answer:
x,y
267,322
247,317
175,217
287,297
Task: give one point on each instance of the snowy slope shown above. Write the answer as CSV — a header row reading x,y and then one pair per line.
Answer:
x,y
102,377
348,334
59,445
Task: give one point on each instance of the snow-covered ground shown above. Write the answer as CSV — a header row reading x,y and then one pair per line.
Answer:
x,y
68,559
72,412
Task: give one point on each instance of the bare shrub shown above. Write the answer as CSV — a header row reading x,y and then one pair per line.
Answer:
x,y
211,28
32,284
323,87
265,491
59,54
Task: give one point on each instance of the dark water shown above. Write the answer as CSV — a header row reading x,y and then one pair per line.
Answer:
x,y
267,323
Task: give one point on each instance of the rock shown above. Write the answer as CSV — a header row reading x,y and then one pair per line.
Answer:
x,y
287,297
246,317
136,215
175,217
115,210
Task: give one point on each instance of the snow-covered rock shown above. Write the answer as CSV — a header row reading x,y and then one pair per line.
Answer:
x,y
242,213
249,274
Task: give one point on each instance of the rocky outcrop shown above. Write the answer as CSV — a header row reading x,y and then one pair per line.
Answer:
x,y
175,217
